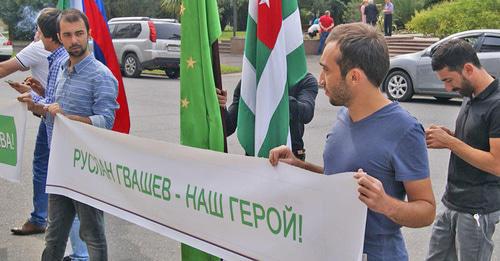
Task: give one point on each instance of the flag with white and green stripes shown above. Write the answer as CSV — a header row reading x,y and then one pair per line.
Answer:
x,y
274,60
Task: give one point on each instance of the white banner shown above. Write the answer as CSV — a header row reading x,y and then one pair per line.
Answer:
x,y
12,128
232,206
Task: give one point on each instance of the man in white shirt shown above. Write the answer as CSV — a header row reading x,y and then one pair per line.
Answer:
x,y
34,57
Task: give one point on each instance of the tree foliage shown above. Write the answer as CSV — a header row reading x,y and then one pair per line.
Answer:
x,y
123,8
451,17
20,15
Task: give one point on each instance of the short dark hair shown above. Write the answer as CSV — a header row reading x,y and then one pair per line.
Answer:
x,y
47,22
361,46
72,15
454,54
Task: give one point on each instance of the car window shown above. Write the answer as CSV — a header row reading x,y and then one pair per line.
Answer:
x,y
472,40
127,31
168,31
490,44
111,28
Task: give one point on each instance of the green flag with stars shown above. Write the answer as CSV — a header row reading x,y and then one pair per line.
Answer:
x,y
201,124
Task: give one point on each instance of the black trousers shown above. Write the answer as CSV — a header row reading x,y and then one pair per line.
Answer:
x,y
388,24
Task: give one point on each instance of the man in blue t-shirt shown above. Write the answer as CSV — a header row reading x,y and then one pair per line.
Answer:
x,y
375,137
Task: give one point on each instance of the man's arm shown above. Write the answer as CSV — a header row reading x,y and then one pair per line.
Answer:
x,y
488,161
10,66
37,109
303,101
419,211
105,105
54,109
232,111
284,154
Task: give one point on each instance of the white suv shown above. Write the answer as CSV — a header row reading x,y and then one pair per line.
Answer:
x,y
5,48
146,43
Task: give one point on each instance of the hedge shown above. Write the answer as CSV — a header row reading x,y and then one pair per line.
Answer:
x,y
450,17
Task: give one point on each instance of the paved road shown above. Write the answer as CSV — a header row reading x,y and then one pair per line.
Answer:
x,y
154,107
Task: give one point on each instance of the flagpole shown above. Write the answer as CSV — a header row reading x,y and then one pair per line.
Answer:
x,y
218,85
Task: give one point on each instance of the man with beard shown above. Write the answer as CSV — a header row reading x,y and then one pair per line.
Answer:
x,y
47,31
464,228
85,91
375,137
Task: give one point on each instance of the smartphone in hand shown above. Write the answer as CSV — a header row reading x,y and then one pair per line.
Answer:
x,y
10,82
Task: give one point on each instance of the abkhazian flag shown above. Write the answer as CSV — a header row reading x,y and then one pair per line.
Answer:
x,y
274,60
103,51
201,124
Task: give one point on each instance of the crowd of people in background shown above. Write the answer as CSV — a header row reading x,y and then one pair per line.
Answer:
x,y
369,13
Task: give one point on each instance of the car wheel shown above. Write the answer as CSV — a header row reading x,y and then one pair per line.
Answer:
x,y
131,66
172,73
398,86
442,99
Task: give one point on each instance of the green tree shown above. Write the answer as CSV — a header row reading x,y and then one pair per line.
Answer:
x,y
19,16
149,8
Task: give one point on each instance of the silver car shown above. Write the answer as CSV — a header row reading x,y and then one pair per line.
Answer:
x,y
146,43
411,74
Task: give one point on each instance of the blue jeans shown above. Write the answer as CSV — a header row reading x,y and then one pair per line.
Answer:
x,y
461,236
40,164
80,252
385,247
322,40
62,211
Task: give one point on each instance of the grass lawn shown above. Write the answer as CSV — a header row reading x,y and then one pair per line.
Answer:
x,y
225,69
227,35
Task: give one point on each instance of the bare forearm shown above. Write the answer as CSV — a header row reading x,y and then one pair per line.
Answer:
x,y
9,66
310,166
415,214
80,119
483,160
38,109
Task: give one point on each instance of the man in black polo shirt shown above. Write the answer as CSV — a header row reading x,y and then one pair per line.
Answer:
x,y
464,230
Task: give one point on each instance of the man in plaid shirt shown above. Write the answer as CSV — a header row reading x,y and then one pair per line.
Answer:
x,y
47,29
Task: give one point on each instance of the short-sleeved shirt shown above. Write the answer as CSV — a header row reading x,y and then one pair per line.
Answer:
x,y
390,7
388,145
34,56
90,90
469,189
326,21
